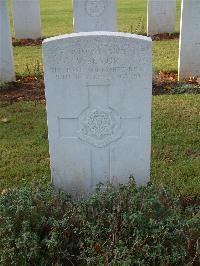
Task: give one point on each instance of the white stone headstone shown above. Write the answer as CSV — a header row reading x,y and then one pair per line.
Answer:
x,y
98,93
7,72
26,16
161,16
94,15
189,51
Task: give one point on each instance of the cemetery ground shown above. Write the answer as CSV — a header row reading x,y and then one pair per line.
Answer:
x,y
126,227
57,19
175,153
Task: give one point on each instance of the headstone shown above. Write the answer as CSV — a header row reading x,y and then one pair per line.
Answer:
x,y
6,53
94,15
26,16
98,92
189,54
161,16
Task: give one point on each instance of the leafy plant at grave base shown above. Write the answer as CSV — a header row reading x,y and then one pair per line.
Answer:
x,y
37,227
4,85
139,226
117,226
185,88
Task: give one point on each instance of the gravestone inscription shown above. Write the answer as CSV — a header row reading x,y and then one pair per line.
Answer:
x,y
94,15
26,16
98,92
7,72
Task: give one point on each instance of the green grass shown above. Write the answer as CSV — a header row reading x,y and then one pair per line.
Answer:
x,y
175,143
24,145
165,56
27,59
57,19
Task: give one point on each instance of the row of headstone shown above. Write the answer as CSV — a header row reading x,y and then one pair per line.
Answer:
x,y
162,18
91,15
26,15
99,15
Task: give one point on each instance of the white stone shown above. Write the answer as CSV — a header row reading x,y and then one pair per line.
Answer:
x,y
7,72
94,15
26,16
189,52
98,92
161,16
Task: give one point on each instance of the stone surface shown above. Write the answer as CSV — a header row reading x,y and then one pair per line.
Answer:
x,y
6,52
161,16
26,16
94,15
98,92
189,54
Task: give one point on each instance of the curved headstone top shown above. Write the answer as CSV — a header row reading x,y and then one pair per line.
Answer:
x,y
98,92
98,33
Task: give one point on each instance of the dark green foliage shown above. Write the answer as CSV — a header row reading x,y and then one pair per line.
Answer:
x,y
182,88
118,226
37,227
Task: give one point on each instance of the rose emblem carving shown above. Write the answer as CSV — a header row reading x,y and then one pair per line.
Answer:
x,y
99,127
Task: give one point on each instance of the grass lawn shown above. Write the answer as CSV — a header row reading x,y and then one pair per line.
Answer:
x,y
57,19
175,143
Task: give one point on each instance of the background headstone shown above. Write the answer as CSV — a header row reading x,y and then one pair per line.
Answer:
x,y
161,16
189,54
6,53
98,92
26,16
94,15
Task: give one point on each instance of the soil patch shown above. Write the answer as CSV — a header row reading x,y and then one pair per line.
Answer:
x,y
165,36
167,83
26,42
29,89
30,42
32,89
190,201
